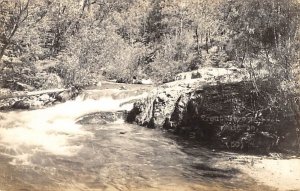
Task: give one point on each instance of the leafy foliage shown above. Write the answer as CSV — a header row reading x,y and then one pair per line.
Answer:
x,y
95,39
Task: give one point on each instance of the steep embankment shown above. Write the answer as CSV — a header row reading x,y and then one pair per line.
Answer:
x,y
224,111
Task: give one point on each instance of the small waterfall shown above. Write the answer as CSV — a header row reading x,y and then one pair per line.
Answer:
x,y
54,129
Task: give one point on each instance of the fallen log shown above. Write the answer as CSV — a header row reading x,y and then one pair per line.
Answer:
x,y
34,93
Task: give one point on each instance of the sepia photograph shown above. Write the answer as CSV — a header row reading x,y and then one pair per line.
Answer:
x,y
149,95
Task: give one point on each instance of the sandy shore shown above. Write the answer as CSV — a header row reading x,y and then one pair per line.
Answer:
x,y
280,174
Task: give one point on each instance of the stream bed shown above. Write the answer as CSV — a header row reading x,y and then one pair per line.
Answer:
x,y
46,150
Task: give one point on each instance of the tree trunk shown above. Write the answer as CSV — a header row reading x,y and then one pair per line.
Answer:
x,y
197,41
7,41
1,56
206,42
3,50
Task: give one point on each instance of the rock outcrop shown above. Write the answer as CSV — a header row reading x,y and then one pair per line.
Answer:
x,y
228,115
35,100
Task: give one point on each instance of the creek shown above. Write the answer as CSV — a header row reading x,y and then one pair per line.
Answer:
x,y
47,150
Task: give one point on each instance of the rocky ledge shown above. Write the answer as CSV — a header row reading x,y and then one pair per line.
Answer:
x,y
35,100
223,113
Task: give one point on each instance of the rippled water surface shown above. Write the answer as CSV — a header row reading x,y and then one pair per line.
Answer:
x,y
46,150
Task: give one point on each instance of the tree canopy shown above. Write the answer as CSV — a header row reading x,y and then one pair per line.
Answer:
x,y
148,38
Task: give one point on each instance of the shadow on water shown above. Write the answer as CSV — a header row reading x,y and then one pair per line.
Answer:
x,y
215,167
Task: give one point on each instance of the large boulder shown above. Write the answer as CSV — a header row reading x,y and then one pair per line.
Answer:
x,y
157,106
234,116
227,115
21,104
102,118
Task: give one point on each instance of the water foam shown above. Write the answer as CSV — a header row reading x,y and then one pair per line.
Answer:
x,y
52,130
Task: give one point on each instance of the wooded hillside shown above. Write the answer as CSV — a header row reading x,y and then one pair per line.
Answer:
x,y
82,41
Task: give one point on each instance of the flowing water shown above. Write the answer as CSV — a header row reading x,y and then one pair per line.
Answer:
x,y
46,150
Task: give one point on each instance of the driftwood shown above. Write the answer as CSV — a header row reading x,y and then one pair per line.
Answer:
x,y
34,93
130,101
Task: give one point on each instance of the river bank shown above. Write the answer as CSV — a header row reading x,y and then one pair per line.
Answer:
x,y
282,174
28,100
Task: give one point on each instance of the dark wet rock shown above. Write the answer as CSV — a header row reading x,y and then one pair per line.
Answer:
x,y
102,117
121,80
21,105
196,75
